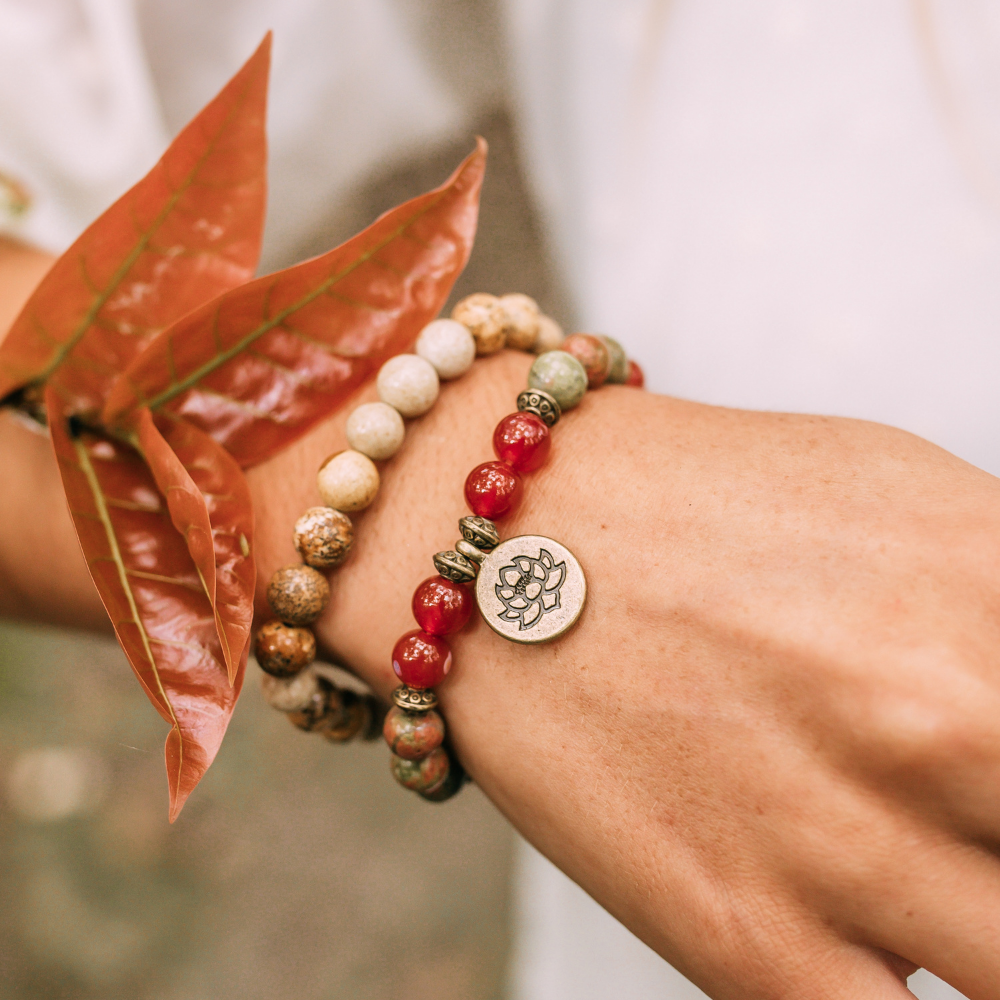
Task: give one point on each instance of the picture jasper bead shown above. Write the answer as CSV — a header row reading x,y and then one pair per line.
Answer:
x,y
522,441
493,490
413,735
283,650
483,315
298,594
421,660
352,720
289,694
424,775
561,376
441,606
323,537
618,366
324,705
521,325
592,353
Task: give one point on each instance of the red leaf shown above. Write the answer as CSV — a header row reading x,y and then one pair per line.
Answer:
x,y
209,503
260,365
188,230
152,591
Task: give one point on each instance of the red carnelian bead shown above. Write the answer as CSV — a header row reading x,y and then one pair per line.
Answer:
x,y
421,660
441,606
492,490
635,376
522,441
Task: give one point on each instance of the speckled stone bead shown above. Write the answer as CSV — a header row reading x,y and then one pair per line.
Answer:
x,y
413,735
636,379
323,537
484,317
448,346
592,353
290,694
298,594
376,430
561,376
521,326
408,383
283,650
348,481
451,785
550,335
618,367
354,717
424,775
322,706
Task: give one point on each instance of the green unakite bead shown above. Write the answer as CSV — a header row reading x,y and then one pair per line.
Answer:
x,y
560,375
618,371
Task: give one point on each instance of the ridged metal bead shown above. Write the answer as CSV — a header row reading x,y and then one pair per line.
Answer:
x,y
541,403
467,549
455,566
480,531
414,699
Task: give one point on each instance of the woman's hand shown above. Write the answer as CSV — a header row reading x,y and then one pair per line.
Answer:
x,y
771,745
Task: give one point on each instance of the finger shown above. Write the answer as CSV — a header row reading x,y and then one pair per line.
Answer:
x,y
945,915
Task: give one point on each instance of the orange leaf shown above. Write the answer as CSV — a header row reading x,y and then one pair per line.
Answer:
x,y
153,593
188,230
261,364
209,503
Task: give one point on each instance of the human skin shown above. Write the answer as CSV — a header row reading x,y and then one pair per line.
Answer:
x,y
770,745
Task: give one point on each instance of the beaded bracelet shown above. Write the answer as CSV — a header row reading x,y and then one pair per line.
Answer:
x,y
348,481
529,589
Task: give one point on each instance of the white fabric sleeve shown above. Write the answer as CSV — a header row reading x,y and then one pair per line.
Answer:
x,y
79,120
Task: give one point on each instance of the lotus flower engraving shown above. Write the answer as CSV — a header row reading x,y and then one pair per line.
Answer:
x,y
529,588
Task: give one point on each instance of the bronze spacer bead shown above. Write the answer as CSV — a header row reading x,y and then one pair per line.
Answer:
x,y
414,699
480,531
541,403
455,566
467,549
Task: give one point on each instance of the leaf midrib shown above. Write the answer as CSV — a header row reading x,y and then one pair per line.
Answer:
x,y
223,357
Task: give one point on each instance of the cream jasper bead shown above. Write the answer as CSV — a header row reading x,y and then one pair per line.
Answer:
x,y
376,430
550,335
521,327
448,346
409,384
348,481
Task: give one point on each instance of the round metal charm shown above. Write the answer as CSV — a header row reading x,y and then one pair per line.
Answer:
x,y
530,589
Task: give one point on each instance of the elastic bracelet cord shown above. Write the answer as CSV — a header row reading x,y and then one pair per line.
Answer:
x,y
534,597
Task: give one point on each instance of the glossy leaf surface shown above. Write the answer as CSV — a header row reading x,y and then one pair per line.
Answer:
x,y
190,229
209,504
153,593
260,365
